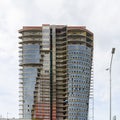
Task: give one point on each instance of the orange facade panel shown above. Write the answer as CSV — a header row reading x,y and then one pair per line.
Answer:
x,y
42,111
29,28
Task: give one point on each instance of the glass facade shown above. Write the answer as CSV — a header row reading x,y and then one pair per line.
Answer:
x,y
55,72
79,73
29,58
31,53
29,80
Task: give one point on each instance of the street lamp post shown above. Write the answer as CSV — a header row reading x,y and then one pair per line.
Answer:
x,y
110,70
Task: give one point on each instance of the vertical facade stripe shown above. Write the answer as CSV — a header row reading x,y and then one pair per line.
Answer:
x,y
51,78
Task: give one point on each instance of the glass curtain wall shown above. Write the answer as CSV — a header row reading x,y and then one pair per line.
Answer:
x,y
79,72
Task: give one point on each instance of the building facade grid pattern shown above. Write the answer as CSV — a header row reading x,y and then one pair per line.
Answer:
x,y
55,72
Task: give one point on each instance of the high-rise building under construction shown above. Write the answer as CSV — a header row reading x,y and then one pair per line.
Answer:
x,y
55,72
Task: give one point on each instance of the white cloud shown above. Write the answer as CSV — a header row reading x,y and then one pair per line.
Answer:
x,y
102,17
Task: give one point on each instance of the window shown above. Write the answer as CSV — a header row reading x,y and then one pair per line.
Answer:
x,y
46,71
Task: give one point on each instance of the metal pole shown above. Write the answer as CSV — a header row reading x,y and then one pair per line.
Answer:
x,y
113,51
114,118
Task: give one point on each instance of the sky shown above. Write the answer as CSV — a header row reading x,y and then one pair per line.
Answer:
x,y
102,17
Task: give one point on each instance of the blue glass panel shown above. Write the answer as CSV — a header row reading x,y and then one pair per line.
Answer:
x,y
29,80
31,53
79,63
